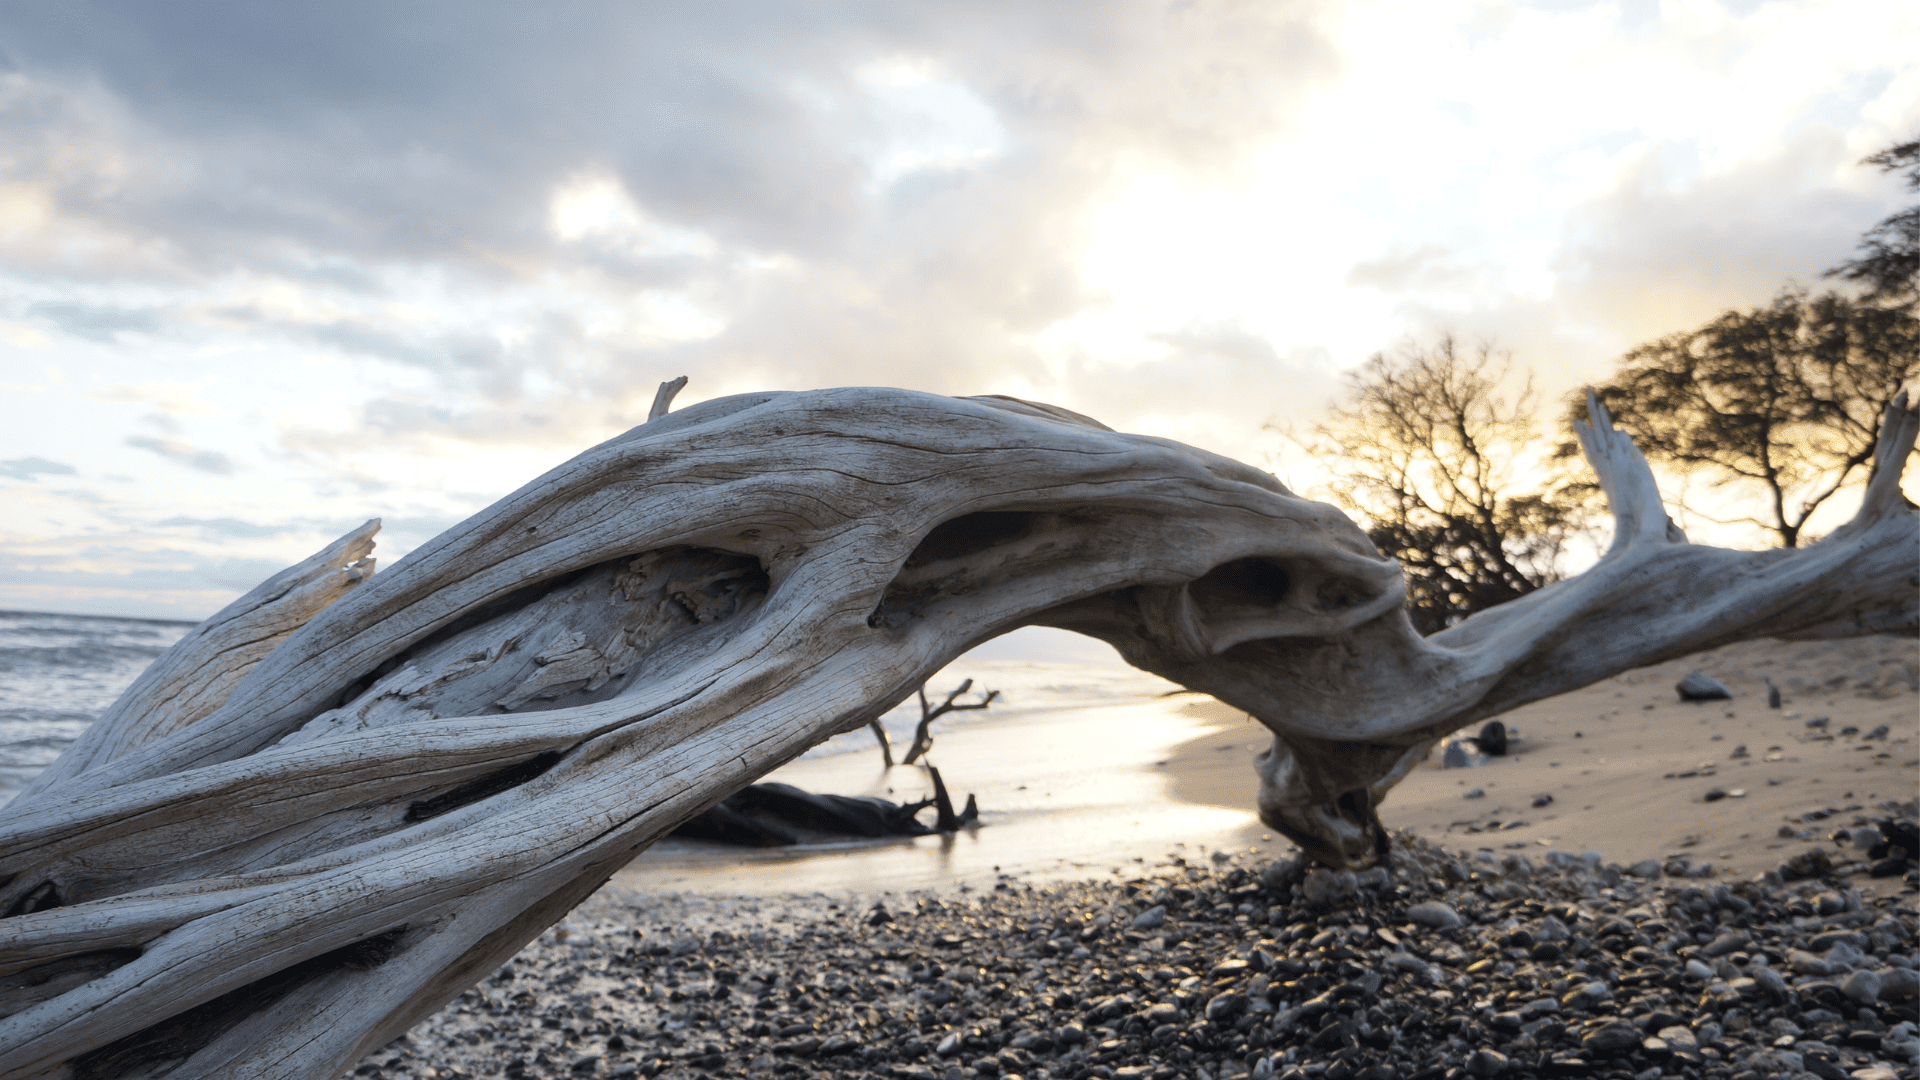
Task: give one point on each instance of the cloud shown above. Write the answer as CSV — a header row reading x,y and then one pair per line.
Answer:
x,y
224,526
190,586
28,467
93,322
209,461
1667,248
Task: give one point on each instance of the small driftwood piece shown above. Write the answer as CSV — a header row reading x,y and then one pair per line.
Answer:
x,y
768,815
347,798
923,733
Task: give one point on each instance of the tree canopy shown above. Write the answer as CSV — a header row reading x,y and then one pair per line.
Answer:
x,y
1787,398
1428,448
1889,261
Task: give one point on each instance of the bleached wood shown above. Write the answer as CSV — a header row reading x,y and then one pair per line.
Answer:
x,y
273,815
195,674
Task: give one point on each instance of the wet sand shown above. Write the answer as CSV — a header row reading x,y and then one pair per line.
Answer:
x,y
1070,794
1088,792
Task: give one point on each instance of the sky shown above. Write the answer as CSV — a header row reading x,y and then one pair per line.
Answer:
x,y
268,270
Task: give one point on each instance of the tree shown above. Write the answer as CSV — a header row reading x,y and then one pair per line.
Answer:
x,y
1432,454
347,797
1889,265
1787,398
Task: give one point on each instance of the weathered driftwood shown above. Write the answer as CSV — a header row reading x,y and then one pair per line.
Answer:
x,y
929,712
287,845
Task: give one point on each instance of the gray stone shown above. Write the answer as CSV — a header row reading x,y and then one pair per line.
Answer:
x,y
1615,1037
1537,1008
1699,687
1486,1062
1151,919
1769,980
1803,962
1225,1008
1586,995
1728,941
1899,983
1845,956
1327,886
1164,1013
1433,913
1862,986
1678,1038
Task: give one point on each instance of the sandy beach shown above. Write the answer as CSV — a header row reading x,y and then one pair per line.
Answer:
x,y
1629,766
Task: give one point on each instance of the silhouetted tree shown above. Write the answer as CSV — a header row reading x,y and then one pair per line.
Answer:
x,y
1889,265
1429,451
1786,397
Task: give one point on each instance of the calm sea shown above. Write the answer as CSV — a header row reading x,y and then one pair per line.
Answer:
x,y
59,672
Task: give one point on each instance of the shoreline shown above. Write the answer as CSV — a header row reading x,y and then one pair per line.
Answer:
x,y
1092,792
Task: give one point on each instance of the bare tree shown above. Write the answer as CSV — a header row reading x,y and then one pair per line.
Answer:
x,y
1444,467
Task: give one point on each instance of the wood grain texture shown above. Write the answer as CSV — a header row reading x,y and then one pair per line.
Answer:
x,y
348,797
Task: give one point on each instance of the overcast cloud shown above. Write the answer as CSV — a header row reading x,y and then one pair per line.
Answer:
x,y
272,269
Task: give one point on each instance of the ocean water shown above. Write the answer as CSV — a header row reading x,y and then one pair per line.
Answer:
x,y
59,672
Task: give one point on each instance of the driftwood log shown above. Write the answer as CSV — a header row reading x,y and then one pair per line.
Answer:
x,y
349,796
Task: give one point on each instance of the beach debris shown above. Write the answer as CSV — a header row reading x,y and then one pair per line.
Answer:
x,y
778,815
1454,966
923,734
1545,798
1773,695
1739,751
886,745
1811,863
1476,793
1493,738
1713,795
1461,752
1701,687
1818,722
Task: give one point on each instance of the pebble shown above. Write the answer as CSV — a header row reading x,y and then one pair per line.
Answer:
x,y
1461,754
1452,966
1493,738
1700,687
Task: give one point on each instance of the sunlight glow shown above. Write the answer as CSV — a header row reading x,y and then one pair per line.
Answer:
x,y
598,208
